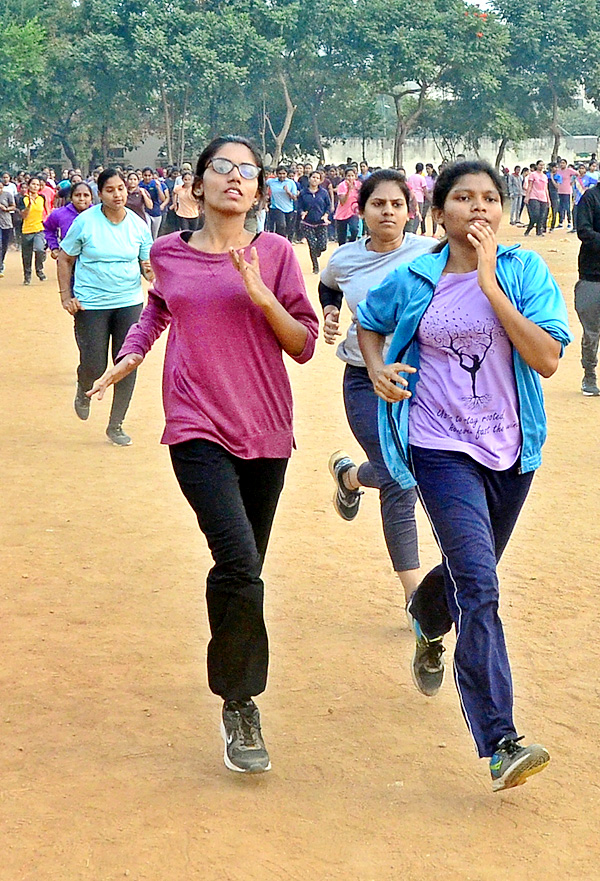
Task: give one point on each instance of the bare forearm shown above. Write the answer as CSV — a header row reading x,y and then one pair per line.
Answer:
x,y
289,331
535,345
371,345
64,268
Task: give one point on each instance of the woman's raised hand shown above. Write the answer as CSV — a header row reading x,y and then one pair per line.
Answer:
x,y
115,374
483,239
258,292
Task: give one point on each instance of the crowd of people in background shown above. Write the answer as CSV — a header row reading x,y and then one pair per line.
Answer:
x,y
304,203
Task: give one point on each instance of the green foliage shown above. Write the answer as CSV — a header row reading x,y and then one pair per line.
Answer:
x,y
85,75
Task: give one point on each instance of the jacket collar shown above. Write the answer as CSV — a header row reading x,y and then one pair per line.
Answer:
x,y
431,266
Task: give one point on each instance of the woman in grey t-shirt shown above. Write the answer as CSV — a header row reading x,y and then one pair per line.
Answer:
x,y
352,270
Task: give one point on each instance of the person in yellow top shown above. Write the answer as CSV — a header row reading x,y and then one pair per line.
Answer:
x,y
33,239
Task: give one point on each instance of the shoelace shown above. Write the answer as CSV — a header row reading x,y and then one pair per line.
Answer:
x,y
510,747
249,731
433,657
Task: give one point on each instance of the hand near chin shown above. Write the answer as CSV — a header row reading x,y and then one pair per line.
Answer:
x,y
483,239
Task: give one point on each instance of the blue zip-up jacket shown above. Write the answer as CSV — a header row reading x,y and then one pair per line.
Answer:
x,y
397,306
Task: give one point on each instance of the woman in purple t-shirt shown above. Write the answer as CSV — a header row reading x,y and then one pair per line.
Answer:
x,y
234,302
475,348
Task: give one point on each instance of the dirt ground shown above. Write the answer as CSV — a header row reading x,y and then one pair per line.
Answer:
x,y
110,752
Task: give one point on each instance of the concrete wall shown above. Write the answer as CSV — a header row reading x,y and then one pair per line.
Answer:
x,y
380,151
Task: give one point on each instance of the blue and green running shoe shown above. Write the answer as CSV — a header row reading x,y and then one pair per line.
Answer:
x,y
512,764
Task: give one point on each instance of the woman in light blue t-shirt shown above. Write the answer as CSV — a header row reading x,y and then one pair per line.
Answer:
x,y
111,247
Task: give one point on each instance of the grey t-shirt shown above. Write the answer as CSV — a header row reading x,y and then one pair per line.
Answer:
x,y
353,270
8,200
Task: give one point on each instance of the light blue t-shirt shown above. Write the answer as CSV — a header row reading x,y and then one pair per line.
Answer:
x,y
279,198
108,269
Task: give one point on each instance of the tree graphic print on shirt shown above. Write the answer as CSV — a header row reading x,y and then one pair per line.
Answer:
x,y
471,348
465,397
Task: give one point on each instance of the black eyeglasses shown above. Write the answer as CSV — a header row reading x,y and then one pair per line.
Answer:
x,y
246,169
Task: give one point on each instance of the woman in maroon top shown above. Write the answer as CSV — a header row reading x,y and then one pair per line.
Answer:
x,y
137,198
234,303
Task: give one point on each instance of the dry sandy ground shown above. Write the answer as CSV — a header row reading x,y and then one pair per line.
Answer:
x,y
110,751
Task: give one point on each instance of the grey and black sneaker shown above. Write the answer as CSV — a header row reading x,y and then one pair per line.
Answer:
x,y
81,403
245,749
427,666
117,436
41,276
345,501
512,764
589,386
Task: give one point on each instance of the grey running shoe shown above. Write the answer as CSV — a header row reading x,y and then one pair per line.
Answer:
x,y
117,436
81,403
345,501
427,666
245,749
589,386
41,276
512,764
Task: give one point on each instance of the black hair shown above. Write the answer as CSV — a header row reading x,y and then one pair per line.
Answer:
x,y
211,150
379,177
106,175
281,168
80,183
349,168
453,173
419,167
147,168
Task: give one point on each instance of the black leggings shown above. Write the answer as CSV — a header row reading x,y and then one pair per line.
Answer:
x,y
316,237
234,500
94,330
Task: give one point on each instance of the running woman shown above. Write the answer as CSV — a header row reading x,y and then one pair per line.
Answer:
x,y
352,270
313,206
33,241
235,302
480,323
110,246
7,209
185,204
138,198
59,221
346,214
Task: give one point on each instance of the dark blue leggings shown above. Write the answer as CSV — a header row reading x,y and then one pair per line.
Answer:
x,y
473,511
397,504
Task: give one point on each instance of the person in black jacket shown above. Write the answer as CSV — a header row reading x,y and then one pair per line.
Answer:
x,y
587,289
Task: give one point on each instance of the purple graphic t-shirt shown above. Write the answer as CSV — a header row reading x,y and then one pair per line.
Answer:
x,y
466,395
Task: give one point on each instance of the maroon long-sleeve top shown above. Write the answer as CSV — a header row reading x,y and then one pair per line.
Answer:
x,y
224,379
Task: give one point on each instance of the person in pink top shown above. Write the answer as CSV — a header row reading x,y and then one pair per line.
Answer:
x,y
234,303
537,199
417,184
346,214
567,173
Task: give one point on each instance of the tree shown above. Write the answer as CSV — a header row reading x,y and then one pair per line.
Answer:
x,y
552,47
448,47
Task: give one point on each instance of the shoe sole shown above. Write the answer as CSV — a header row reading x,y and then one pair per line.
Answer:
x,y
229,764
339,454
116,444
521,771
590,394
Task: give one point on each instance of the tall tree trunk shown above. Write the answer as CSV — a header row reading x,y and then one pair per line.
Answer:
x,y
69,151
500,153
318,138
290,109
263,126
554,127
104,143
182,126
168,126
405,124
